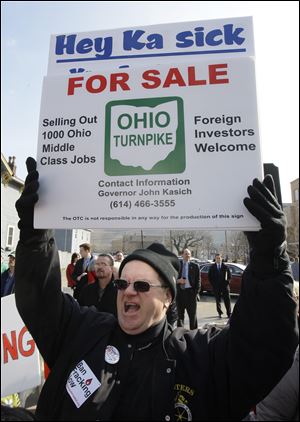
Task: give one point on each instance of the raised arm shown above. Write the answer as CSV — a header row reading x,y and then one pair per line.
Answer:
x,y
263,334
45,310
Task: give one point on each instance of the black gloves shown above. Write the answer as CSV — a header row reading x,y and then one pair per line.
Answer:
x,y
267,246
264,206
25,204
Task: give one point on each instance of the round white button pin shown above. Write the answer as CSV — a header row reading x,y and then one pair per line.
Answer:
x,y
112,354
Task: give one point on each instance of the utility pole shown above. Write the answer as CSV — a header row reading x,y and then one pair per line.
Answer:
x,y
226,246
65,239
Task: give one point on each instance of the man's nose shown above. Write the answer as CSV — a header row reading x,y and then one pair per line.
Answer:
x,y
130,290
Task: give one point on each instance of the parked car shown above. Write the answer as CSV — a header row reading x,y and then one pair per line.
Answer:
x,y
197,261
235,282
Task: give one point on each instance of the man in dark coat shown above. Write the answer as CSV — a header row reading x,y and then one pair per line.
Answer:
x,y
187,290
135,367
219,276
80,273
102,293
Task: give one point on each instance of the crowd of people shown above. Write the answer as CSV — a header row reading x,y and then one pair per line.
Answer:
x,y
118,349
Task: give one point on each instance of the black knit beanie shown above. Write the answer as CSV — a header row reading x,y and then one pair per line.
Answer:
x,y
158,257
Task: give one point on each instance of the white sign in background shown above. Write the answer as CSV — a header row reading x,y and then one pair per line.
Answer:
x,y
20,359
199,122
164,43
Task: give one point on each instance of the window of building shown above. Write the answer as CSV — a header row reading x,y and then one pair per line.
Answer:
x,y
296,194
10,236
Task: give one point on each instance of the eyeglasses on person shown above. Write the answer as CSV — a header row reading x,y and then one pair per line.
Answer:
x,y
140,286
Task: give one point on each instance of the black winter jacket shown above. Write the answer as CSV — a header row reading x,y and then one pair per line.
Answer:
x,y
219,279
199,374
89,296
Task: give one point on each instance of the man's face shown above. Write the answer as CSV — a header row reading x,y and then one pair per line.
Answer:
x,y
83,252
102,268
138,311
119,257
11,262
186,255
218,259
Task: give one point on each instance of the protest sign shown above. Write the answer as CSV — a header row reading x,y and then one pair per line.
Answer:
x,y
164,43
20,361
170,146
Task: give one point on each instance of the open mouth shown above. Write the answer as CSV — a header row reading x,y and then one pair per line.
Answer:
x,y
131,307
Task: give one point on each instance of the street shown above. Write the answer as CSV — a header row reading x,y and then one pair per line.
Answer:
x,y
207,313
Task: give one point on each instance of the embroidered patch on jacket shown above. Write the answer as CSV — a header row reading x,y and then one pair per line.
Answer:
x,y
182,410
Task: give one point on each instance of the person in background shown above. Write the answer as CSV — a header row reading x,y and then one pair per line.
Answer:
x,y
8,277
91,274
80,273
3,264
70,270
189,286
135,367
102,294
219,276
119,256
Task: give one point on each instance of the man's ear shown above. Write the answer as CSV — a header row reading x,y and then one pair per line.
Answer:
x,y
168,299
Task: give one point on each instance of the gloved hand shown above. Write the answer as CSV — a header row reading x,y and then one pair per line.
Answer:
x,y
268,244
25,204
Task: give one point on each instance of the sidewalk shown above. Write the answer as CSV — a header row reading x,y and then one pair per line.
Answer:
x,y
207,314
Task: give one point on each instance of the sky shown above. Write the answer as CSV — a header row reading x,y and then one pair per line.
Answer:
x,y
25,37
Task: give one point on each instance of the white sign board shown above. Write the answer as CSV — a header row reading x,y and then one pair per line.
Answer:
x,y
165,43
20,361
170,146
